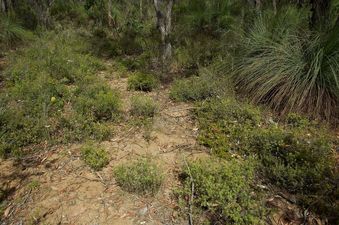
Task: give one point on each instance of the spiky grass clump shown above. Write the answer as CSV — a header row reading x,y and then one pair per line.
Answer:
x,y
12,33
142,177
288,69
143,106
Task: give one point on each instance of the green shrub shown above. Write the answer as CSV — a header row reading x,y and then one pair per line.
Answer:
x,y
142,82
193,89
12,33
288,67
296,120
208,84
297,157
142,177
94,156
52,95
226,125
223,190
103,103
296,161
143,106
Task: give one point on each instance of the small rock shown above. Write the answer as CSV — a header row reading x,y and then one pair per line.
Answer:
x,y
143,211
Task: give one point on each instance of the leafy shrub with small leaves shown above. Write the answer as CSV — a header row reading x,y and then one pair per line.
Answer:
x,y
94,156
226,125
293,160
142,176
198,88
143,106
297,157
142,82
223,191
100,102
52,95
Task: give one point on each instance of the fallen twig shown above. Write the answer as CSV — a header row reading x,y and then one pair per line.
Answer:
x,y
190,202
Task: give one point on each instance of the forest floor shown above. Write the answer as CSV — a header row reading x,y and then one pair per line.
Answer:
x,y
57,187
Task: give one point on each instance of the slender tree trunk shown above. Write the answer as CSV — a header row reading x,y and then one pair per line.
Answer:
x,y
5,4
274,2
141,9
109,11
320,13
258,5
164,25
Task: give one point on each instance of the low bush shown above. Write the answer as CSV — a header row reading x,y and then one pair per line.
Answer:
x,y
141,176
226,125
143,106
102,103
295,161
52,95
207,85
223,191
142,82
12,33
297,156
94,156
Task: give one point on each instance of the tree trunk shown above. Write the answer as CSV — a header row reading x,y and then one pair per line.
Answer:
x,y
109,11
164,25
258,5
5,5
320,13
275,6
141,9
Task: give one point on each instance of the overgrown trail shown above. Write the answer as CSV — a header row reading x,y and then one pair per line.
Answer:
x,y
60,189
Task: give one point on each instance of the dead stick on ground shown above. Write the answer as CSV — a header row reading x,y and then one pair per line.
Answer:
x,y
190,203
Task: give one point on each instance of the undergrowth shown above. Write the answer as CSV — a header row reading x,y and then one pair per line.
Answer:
x,y
142,82
52,94
222,191
297,156
94,156
143,106
142,176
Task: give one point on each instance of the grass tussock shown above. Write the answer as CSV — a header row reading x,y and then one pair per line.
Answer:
x,y
143,106
288,67
208,84
142,82
142,176
12,34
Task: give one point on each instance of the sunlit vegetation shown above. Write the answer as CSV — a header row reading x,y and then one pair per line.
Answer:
x,y
260,76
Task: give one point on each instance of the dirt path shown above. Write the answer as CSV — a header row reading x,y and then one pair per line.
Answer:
x,y
61,189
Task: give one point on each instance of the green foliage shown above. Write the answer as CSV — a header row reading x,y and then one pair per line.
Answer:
x,y
288,67
142,82
12,33
69,10
293,160
226,125
142,177
200,87
99,101
46,86
94,156
224,191
143,106
297,157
